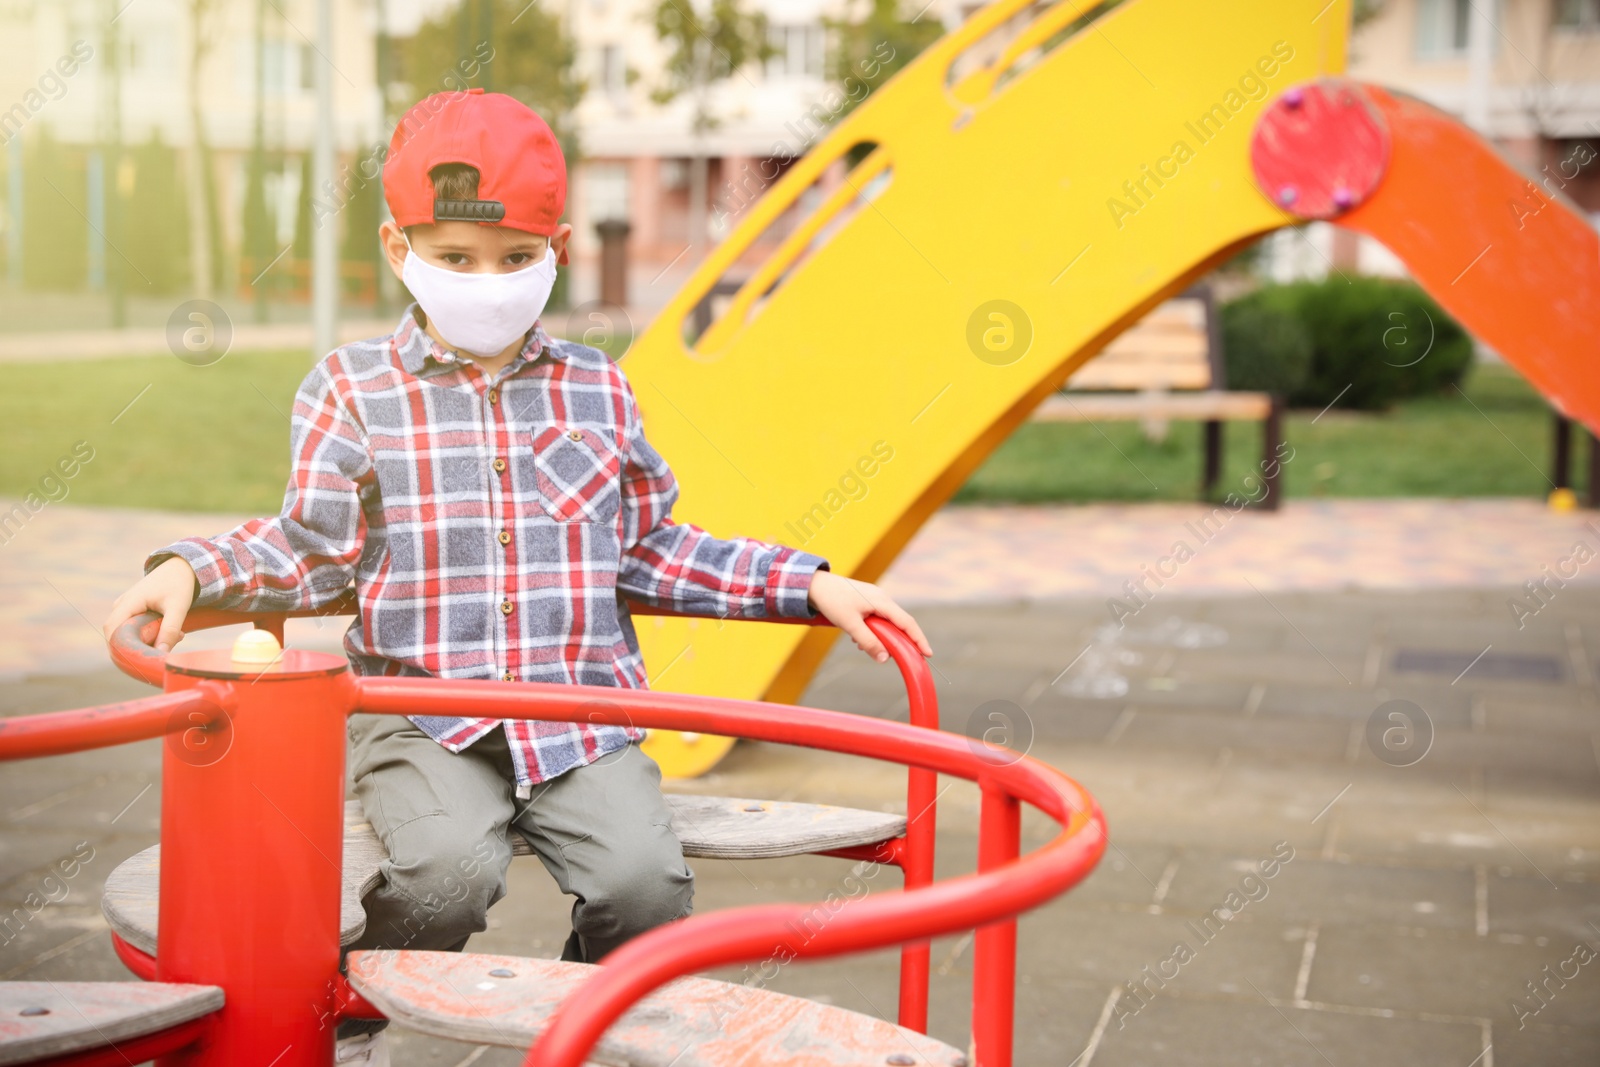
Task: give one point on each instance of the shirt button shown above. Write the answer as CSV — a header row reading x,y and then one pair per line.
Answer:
x,y
575,435
499,465
505,537
508,677
505,607
494,396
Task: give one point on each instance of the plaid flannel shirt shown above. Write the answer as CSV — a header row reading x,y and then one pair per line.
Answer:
x,y
491,527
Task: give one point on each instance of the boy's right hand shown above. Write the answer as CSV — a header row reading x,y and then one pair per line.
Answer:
x,y
168,590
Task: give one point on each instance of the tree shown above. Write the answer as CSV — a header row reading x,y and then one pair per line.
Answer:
x,y
869,51
529,57
117,279
55,193
202,191
259,231
1364,11
362,214
158,217
703,49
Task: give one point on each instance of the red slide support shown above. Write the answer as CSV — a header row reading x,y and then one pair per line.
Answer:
x,y
252,840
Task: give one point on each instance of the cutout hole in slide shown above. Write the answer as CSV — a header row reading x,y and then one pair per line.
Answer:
x,y
1017,45
813,216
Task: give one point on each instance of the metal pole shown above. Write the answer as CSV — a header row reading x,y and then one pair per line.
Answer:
x,y
258,152
97,220
388,285
1561,426
699,161
14,202
116,276
1593,500
1211,461
485,35
1271,437
325,230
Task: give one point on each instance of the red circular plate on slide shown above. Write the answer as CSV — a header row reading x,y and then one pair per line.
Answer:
x,y
1320,149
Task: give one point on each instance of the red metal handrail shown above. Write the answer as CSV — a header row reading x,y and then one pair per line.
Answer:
x,y
284,774
133,653
58,732
1004,887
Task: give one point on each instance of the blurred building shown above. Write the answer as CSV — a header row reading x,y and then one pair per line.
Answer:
x,y
249,86
1525,73
86,81
638,155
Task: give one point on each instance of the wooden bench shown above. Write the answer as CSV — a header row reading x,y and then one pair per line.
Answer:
x,y
709,827
1166,367
46,1019
689,1022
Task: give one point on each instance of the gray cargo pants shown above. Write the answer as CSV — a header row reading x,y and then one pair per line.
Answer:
x,y
603,832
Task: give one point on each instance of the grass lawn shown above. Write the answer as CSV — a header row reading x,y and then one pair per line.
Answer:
x,y
194,438
168,435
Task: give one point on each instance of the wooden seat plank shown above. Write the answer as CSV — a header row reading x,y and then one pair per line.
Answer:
x,y
1180,345
738,828
709,827
40,1019
1142,376
130,906
1096,407
1170,348
690,1022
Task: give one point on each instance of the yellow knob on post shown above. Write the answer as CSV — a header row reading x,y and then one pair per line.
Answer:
x,y
256,646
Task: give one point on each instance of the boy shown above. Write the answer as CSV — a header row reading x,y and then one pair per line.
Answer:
x,y
490,493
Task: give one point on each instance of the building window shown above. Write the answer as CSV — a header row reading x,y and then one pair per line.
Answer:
x,y
613,70
1578,14
799,51
674,174
1442,28
147,52
605,187
287,67
273,77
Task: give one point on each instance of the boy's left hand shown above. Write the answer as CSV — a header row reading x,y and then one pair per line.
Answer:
x,y
846,603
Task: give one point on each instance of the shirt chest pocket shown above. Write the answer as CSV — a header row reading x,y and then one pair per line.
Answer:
x,y
579,474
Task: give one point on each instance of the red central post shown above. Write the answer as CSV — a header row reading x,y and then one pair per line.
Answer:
x,y
252,836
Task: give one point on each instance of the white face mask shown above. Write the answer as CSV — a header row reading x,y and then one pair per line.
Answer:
x,y
480,314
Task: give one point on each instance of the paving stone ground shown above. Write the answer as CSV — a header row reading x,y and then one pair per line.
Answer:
x,y
61,567
1419,904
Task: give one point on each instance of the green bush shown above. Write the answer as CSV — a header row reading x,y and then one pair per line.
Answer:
x,y
155,222
1265,348
1373,340
55,206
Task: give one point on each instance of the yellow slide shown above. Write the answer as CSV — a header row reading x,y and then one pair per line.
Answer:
x,y
1026,201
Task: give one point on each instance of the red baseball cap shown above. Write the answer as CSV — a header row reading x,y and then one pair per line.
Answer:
x,y
522,177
